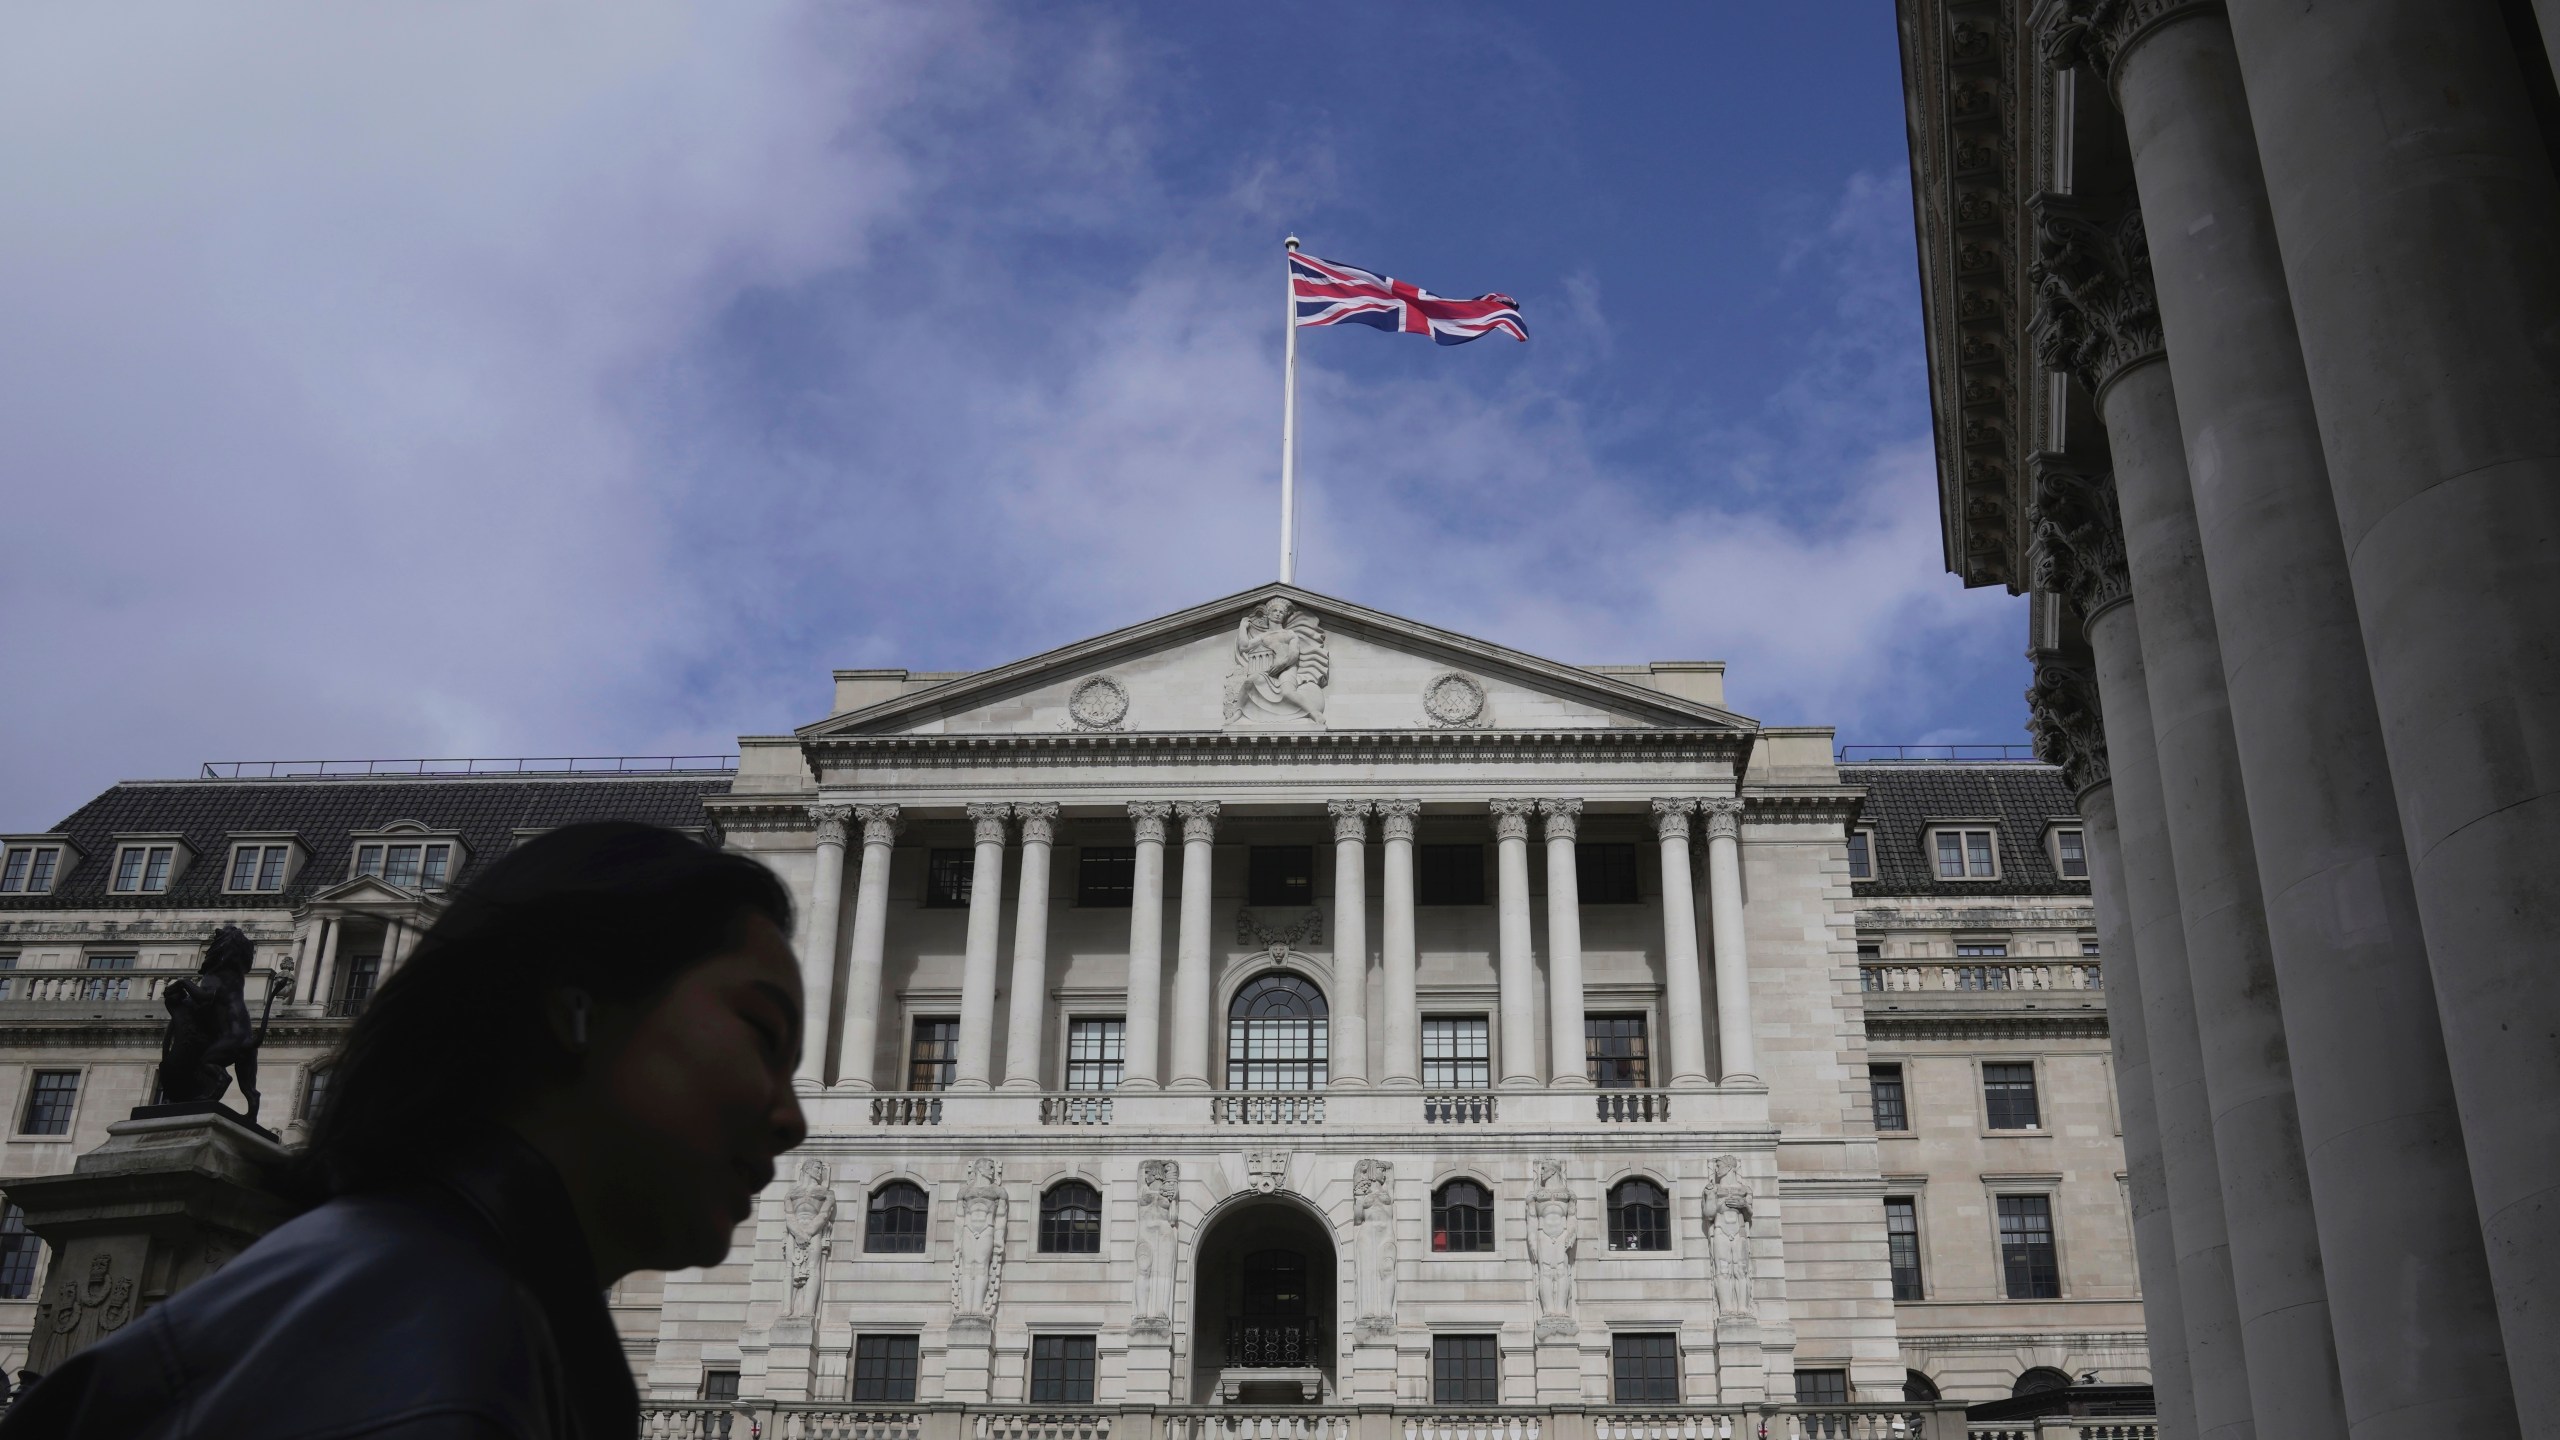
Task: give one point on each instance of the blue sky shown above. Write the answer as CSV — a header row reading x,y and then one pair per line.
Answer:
x,y
486,379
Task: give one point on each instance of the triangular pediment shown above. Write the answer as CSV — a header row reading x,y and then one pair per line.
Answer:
x,y
366,890
1279,658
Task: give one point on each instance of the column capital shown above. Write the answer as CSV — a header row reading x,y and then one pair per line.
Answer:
x,y
2078,547
1396,817
1199,819
1149,817
1562,817
989,817
2096,314
1511,818
2062,715
1350,819
2099,33
879,823
1039,820
1724,818
1671,817
830,820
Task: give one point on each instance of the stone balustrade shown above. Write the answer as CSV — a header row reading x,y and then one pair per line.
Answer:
x,y
1266,1107
1080,1108
1894,976
54,987
736,1420
1646,1107
1375,1109
1461,1107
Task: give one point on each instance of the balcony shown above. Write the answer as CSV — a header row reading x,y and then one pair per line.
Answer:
x,y
1375,1108
1978,976
696,1419
1275,1344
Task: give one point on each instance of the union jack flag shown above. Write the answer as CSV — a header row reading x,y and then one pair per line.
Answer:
x,y
1331,294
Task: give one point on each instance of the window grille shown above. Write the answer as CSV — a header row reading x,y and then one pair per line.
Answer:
x,y
144,869
1096,1050
1106,876
1448,874
1902,1244
1071,1219
2009,1096
1614,1050
933,1056
1465,1370
2028,1268
884,1368
1884,1084
1639,1216
1062,1369
20,1253
1281,875
1966,855
49,1103
893,1224
1462,1217
1644,1369
1457,1053
1822,1387
29,869
1604,873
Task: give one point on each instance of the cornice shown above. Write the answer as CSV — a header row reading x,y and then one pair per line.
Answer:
x,y
1801,806
1940,916
1343,746
2075,1024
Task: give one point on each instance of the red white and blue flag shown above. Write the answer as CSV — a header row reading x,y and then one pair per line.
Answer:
x,y
1329,294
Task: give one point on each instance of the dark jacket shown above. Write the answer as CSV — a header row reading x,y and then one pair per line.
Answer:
x,y
465,1307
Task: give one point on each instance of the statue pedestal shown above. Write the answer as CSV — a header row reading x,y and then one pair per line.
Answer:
x,y
1373,1372
1559,1369
161,1205
969,1358
1150,1363
1741,1375
791,1354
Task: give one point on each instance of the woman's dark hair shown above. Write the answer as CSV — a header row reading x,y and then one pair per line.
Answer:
x,y
459,1033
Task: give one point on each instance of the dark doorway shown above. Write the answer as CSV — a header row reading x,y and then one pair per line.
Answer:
x,y
1263,1303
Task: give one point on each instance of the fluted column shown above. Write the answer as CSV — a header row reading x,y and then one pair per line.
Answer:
x,y
2419,215
976,1051
1145,1024
1350,1038
1396,959
1192,1021
1568,1065
1682,995
1030,948
1736,1046
862,997
1517,973
818,946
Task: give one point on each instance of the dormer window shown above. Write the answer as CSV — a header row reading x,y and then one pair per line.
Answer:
x,y
420,866
1964,852
145,869
30,869
2070,852
259,867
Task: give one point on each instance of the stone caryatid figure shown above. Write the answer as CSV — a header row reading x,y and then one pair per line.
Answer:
x,y
1729,1238
1553,1247
1373,1222
1281,667
1158,1228
209,1029
808,1237
977,1262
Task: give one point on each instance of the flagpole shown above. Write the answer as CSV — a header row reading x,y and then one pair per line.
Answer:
x,y
1289,431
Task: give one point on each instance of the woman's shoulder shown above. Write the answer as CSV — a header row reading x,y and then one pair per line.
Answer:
x,y
369,1310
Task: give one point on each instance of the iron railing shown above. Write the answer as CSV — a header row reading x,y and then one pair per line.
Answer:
x,y
1274,1344
471,765
1974,754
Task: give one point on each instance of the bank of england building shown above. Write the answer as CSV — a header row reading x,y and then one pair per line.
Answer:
x,y
1278,1003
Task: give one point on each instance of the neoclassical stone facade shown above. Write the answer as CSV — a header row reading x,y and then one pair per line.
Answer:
x,y
2240,326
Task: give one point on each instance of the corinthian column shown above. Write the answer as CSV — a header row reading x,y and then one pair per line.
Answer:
x,y
1030,949
2419,216
975,1054
818,946
1681,994
1736,1045
1350,1040
1518,970
1146,947
1396,960
1191,1018
1568,1066
870,936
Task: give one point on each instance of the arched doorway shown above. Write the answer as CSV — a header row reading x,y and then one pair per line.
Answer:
x,y
1262,1307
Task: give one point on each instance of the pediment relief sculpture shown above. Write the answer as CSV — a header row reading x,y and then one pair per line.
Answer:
x,y
1282,668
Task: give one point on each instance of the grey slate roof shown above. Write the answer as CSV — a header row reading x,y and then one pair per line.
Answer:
x,y
1903,800
324,814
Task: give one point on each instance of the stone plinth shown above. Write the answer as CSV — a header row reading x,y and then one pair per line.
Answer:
x,y
161,1205
968,1363
1559,1369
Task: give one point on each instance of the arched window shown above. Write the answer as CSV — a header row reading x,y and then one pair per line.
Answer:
x,y
1071,1219
895,1222
1462,1217
1276,1035
1639,1216
2040,1380
1917,1388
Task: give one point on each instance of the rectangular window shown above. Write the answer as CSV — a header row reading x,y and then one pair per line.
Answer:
x,y
2009,1096
1061,1369
106,987
1902,1245
1613,1046
1966,855
49,1102
400,866
1982,947
1862,863
110,962
1605,874
29,869
884,1368
946,878
1281,875
933,1056
2088,945
271,861
1644,1369
144,869
315,1092
244,867
1457,1053
7,982
1870,973
257,867
2072,854
13,871
2028,1269
1884,1082
1448,874
369,860
40,875
720,1386
1822,1387
431,872
1106,876
1095,1050
363,969
19,1252
1465,1370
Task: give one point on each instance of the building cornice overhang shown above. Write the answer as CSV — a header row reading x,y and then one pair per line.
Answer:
x,y
1229,746
1806,806
2090,1024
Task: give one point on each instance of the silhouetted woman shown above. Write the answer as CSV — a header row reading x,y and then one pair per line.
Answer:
x,y
584,1070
